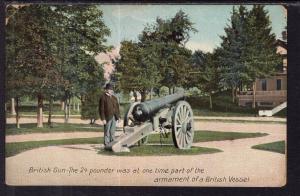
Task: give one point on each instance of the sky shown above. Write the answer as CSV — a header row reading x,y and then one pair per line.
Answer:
x,y
126,22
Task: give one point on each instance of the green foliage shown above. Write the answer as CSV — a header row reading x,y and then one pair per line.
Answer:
x,y
261,58
51,49
248,49
30,63
159,58
232,50
206,75
90,105
137,72
81,37
169,37
273,147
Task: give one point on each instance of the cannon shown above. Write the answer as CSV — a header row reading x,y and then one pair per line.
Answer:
x,y
169,114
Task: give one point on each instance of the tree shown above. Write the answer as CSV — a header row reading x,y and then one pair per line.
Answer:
x,y
232,53
136,68
158,59
206,75
31,57
53,48
248,49
89,108
261,58
168,38
83,34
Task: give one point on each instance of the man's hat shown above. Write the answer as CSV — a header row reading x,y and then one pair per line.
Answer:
x,y
108,86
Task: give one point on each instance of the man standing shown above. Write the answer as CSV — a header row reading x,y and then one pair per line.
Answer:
x,y
109,113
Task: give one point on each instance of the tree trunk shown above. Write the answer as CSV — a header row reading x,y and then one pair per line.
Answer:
x,y
173,90
254,95
40,112
12,109
78,109
66,110
69,108
62,103
17,113
210,101
233,95
151,91
50,112
74,105
170,90
135,96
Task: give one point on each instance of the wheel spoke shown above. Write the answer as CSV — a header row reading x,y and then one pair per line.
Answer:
x,y
186,140
178,132
180,115
178,121
179,139
182,140
189,133
184,111
189,136
186,117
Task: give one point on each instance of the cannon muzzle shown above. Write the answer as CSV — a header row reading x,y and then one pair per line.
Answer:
x,y
144,111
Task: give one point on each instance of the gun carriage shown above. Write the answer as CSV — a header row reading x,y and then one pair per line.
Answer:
x,y
169,114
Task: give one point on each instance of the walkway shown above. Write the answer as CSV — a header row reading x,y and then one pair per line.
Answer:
x,y
261,168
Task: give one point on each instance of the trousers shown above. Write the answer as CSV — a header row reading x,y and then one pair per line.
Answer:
x,y
109,131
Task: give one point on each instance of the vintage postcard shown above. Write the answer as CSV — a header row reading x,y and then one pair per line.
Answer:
x,y
146,95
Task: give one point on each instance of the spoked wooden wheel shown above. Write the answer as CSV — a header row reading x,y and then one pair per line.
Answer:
x,y
183,125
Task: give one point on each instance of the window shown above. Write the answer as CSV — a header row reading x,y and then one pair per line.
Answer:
x,y
278,84
264,85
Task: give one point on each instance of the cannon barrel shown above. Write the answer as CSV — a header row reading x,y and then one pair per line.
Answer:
x,y
143,111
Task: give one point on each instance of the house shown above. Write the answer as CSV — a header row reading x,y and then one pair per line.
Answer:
x,y
270,91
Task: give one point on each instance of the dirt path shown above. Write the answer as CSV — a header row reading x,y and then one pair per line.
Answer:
x,y
262,168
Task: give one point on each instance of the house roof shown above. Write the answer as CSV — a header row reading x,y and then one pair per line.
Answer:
x,y
281,43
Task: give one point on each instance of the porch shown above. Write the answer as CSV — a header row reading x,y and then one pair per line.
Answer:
x,y
262,98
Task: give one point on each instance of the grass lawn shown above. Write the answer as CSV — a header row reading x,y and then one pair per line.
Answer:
x,y
207,112
206,136
12,149
161,150
200,136
242,121
57,127
273,147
